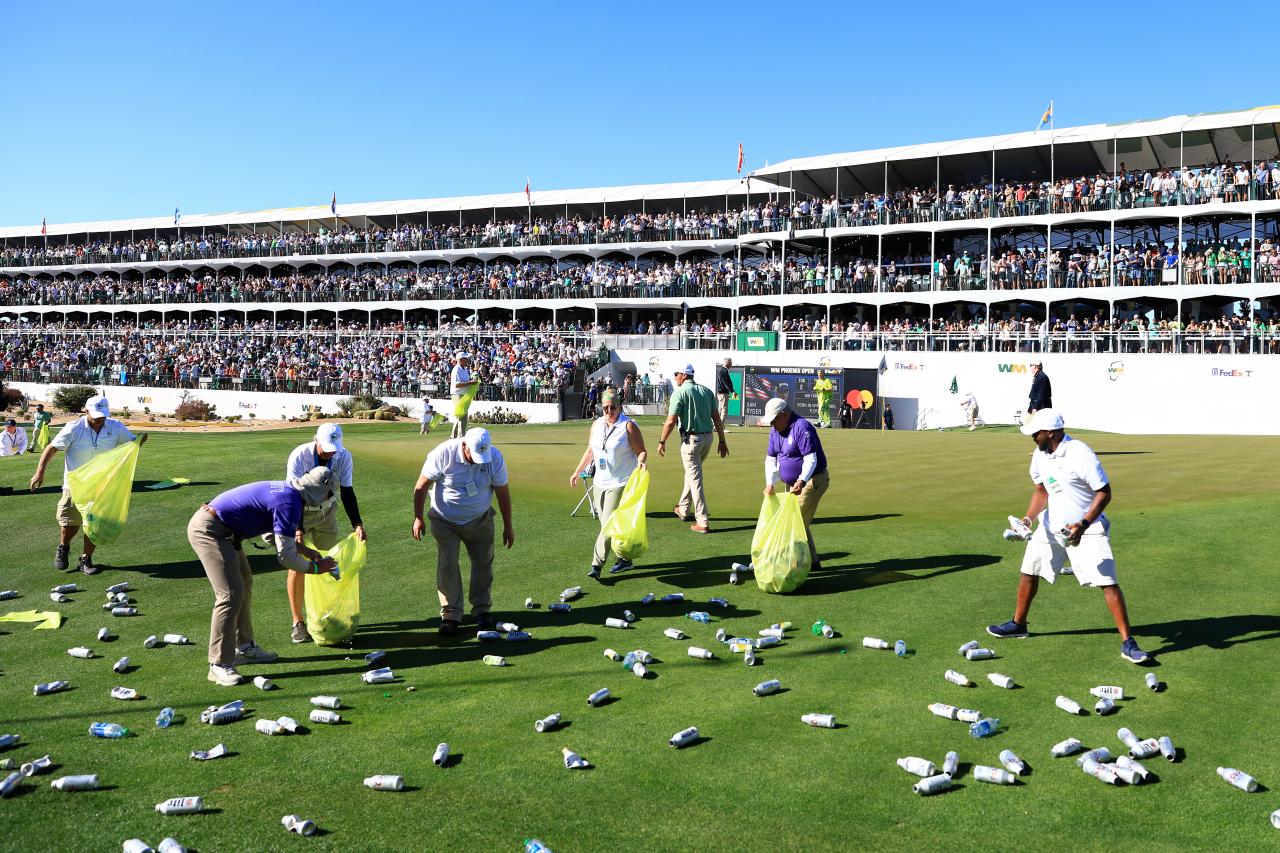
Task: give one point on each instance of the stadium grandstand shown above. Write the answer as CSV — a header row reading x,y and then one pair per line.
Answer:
x,y
1100,249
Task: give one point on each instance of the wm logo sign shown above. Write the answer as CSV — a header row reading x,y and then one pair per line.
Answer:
x,y
1012,368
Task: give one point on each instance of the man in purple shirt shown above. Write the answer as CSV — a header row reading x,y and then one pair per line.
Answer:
x,y
216,532
796,460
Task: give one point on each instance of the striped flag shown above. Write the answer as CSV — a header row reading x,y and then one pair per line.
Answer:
x,y
528,195
176,215
1047,118
333,204
739,158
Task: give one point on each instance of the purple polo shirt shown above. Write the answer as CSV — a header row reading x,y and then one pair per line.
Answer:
x,y
791,446
271,506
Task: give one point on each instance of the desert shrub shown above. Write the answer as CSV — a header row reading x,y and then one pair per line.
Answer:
x,y
194,409
348,406
71,398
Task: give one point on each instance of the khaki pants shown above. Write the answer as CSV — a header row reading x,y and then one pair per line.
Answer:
x,y
606,502
722,401
459,426
477,536
321,525
66,513
426,428
809,498
692,454
227,568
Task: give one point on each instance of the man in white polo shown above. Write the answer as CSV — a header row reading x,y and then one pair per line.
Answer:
x,y
82,439
460,385
320,523
13,439
1071,491
462,476
428,412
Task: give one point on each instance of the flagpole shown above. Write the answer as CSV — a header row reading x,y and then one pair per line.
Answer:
x,y
1051,162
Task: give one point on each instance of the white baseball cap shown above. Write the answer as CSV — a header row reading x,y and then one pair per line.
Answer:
x,y
1043,419
97,407
687,370
329,437
461,355
478,442
772,409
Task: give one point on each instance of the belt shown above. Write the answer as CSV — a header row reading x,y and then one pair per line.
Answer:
x,y
708,432
210,510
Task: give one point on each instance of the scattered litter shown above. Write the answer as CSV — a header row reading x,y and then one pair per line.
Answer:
x,y
1012,762
180,805
1239,778
979,654
1153,682
124,693
209,754
823,721
385,783
1166,748
559,607
1106,691
1069,705
319,715
301,826
957,678
289,724
764,688
546,724
994,775
378,676
441,755
37,765
921,767
331,702
674,633
612,655
263,683
821,627
951,763
10,783
573,761
1104,706
571,593
932,785
613,622
494,660
700,653
1101,755
985,727
900,648
1062,749
684,738
75,783
599,696
1000,680
1102,772
874,643
176,640
268,727
107,730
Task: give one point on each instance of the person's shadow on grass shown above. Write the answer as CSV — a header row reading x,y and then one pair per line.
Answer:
x,y
1180,635
844,578
262,563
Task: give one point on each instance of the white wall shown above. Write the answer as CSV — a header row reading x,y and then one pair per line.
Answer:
x,y
272,406
1147,394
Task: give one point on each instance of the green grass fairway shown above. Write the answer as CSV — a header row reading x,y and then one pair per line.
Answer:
x,y
910,535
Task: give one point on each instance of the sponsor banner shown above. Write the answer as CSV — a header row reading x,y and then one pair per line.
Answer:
x,y
861,392
793,384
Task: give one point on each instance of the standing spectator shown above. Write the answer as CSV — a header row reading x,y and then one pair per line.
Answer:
x,y
1071,491
724,387
970,406
13,440
320,523
460,385
216,532
427,414
888,416
82,439
795,459
825,389
1041,390
615,453
462,476
693,408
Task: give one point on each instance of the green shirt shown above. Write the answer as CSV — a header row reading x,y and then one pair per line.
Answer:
x,y
693,404
42,417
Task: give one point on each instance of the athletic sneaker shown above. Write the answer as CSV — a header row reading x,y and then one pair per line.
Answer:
x,y
254,653
225,676
1007,630
61,557
299,633
621,566
1129,651
86,565
486,621
448,628
594,573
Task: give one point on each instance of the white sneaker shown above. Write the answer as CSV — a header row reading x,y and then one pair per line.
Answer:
x,y
226,676
253,653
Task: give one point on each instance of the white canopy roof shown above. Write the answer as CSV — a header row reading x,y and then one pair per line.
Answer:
x,y
320,212
1030,138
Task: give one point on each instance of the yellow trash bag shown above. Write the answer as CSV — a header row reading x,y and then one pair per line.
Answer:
x,y
437,420
40,440
463,404
627,527
780,548
333,606
100,490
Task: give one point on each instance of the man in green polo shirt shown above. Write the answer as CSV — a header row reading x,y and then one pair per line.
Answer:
x,y
693,406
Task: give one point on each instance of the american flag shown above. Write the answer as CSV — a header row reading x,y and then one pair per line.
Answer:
x,y
528,196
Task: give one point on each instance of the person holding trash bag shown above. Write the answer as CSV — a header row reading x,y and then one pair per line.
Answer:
x,y
616,447
795,459
463,390
216,532
83,439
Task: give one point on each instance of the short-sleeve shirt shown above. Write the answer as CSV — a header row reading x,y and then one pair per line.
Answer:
x,y
461,491
459,375
80,443
304,458
693,404
1071,475
792,445
41,418
269,506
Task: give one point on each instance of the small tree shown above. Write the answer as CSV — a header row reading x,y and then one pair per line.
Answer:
x,y
194,409
71,398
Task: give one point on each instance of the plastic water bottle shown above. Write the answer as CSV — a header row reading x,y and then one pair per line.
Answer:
x,y
559,607
900,648
700,616
629,661
1153,682
533,845
1239,778
1061,749
718,602
672,596
107,730
984,727
648,599
165,718
951,763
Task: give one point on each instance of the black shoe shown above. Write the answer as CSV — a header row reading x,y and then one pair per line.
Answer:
x,y
61,557
594,573
486,621
448,628
86,565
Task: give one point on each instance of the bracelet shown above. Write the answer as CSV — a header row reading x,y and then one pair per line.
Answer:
x,y
1084,524
315,567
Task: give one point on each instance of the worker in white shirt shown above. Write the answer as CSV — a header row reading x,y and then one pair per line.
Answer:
x,y
428,412
460,385
13,440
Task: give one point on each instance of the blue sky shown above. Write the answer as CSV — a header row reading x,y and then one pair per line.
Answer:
x,y
127,109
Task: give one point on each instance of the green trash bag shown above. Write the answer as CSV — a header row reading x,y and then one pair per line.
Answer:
x,y
100,489
780,547
462,405
627,527
333,606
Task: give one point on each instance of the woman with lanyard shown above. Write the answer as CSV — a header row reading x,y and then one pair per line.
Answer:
x,y
616,447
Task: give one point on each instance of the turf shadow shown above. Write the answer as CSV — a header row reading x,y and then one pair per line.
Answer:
x,y
831,579
260,563
839,519
425,649
1180,635
691,574
141,485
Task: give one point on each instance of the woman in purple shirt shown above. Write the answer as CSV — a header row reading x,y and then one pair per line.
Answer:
x,y
215,533
796,460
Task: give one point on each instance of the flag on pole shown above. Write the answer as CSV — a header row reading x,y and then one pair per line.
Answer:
x,y
1047,118
333,204
955,386
176,215
44,225
740,158
528,195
